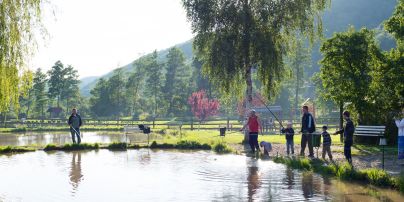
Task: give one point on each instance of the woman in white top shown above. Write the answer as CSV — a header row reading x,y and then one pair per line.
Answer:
x,y
400,126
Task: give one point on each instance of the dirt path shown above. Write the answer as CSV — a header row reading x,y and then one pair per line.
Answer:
x,y
362,161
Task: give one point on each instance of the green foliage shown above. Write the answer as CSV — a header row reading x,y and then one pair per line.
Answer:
x,y
175,90
222,148
118,146
71,147
395,25
63,84
232,36
376,177
18,20
348,59
39,92
14,149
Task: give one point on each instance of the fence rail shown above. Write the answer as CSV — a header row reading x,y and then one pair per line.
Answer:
x,y
185,124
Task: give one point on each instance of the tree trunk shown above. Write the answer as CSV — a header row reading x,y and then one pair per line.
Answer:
x,y
297,95
249,99
341,119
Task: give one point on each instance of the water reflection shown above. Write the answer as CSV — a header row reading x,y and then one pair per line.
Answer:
x,y
307,185
162,175
253,181
43,138
290,178
75,171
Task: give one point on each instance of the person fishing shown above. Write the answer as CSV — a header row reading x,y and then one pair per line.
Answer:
x,y
75,124
254,125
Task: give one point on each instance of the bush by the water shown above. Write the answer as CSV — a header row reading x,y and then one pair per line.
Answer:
x,y
11,149
183,144
71,147
118,146
221,147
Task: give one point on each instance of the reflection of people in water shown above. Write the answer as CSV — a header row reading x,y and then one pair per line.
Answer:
x,y
75,170
307,185
290,178
253,180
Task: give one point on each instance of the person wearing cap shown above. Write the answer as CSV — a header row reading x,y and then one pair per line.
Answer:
x,y
289,133
348,131
254,126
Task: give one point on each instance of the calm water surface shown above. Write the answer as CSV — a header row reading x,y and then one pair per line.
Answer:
x,y
166,175
44,138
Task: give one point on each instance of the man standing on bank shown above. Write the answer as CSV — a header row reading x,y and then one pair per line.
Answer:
x,y
308,128
348,132
75,124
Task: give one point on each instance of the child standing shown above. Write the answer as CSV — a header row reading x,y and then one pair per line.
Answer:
x,y
267,147
289,133
326,143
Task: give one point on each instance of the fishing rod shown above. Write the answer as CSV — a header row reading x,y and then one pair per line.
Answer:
x,y
280,123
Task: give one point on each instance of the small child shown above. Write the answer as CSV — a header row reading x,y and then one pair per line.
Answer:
x,y
267,147
326,143
289,133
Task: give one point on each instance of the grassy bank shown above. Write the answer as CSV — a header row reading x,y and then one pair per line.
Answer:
x,y
376,177
15,149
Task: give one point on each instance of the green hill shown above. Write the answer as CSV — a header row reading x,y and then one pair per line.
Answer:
x,y
341,15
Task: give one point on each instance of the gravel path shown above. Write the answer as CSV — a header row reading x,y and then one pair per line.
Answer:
x,y
363,161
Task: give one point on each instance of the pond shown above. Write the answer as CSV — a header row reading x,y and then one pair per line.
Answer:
x,y
44,138
167,175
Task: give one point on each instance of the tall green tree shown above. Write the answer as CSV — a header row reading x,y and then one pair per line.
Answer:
x,y
39,92
395,25
154,81
26,93
18,20
234,36
299,60
134,87
56,81
70,91
346,66
100,100
116,92
175,81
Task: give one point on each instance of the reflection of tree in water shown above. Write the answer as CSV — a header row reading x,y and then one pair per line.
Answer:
x,y
253,180
75,170
307,185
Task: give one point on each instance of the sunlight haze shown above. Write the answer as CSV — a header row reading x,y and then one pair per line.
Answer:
x,y
97,36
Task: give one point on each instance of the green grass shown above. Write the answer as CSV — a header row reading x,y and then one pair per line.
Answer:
x,y
183,144
71,147
222,148
118,146
373,176
15,149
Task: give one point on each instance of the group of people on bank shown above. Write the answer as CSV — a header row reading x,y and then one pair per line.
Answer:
x,y
308,129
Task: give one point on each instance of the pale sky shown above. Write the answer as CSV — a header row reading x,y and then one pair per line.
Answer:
x,y
95,36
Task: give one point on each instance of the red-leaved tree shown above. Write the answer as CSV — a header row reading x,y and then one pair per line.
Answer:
x,y
201,106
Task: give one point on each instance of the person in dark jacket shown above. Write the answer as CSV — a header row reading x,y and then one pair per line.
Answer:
x,y
326,143
289,133
348,132
75,124
308,128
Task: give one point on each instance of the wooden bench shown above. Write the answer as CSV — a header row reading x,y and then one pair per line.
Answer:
x,y
370,131
373,131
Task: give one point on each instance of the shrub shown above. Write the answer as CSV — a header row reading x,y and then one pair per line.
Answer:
x,y
221,147
118,146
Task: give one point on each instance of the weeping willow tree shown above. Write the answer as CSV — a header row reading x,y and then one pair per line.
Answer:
x,y
17,21
235,36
